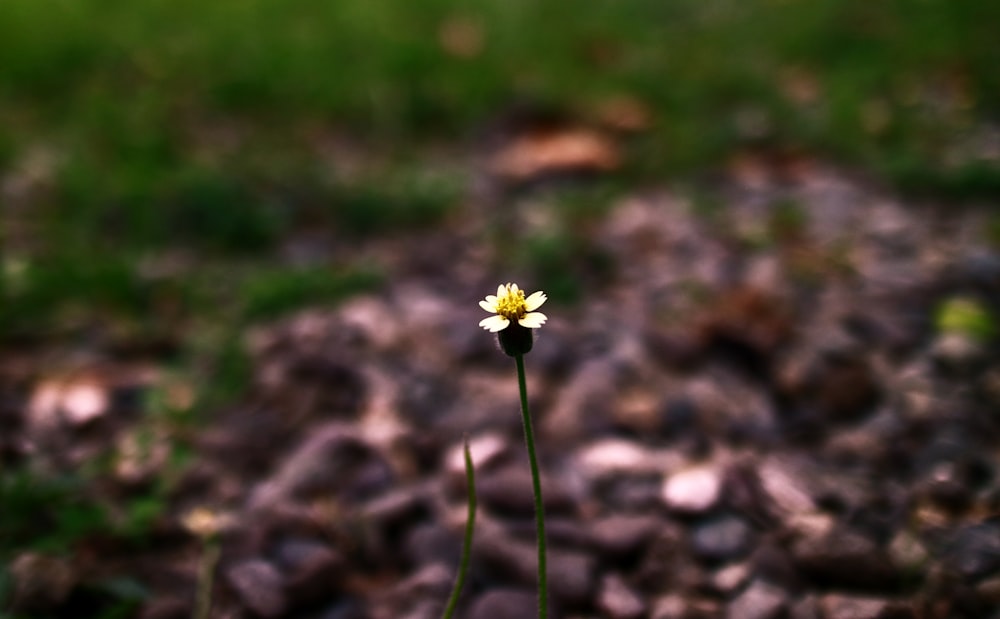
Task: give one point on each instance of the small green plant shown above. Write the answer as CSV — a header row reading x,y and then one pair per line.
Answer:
x,y
46,514
514,321
207,525
470,529
967,317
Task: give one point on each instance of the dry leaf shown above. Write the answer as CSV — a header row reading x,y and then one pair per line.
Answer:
x,y
552,152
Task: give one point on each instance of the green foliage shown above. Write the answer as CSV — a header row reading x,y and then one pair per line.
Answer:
x,y
268,294
45,514
563,265
968,317
131,91
405,202
43,288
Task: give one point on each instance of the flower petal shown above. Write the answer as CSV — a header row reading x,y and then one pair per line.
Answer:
x,y
502,290
513,288
494,323
532,320
489,306
535,301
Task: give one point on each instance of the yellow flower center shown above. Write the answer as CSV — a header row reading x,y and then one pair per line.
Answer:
x,y
512,306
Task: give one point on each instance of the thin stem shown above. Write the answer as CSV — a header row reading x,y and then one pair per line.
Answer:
x,y
470,527
529,439
209,559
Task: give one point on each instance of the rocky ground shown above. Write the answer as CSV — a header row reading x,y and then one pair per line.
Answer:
x,y
773,409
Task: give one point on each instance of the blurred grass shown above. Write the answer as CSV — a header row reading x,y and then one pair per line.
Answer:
x,y
131,93
220,130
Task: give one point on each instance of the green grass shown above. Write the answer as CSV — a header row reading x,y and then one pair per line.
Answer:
x,y
129,91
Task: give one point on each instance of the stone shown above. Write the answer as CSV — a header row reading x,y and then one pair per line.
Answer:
x,y
973,550
958,353
671,606
844,559
259,586
760,600
398,508
806,607
432,542
694,490
664,560
785,486
675,606
908,553
635,493
486,450
346,608
622,535
723,538
420,595
771,561
947,488
678,414
40,582
310,568
505,604
332,460
839,606
582,405
571,573
730,578
617,600
839,384
609,457
508,490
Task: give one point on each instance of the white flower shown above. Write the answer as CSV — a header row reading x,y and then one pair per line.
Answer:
x,y
510,304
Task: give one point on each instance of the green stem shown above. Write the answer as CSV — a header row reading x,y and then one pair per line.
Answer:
x,y
209,559
470,527
529,439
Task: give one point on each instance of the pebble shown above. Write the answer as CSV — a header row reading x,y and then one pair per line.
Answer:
x,y
310,568
806,607
670,606
839,606
41,582
973,550
693,491
259,586
431,542
617,600
760,600
331,460
621,535
844,559
571,572
730,578
723,538
505,604
618,456
508,490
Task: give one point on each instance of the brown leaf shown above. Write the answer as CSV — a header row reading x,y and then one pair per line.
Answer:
x,y
557,151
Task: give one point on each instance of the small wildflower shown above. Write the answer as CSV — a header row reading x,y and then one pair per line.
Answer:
x,y
514,324
206,523
515,318
509,304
